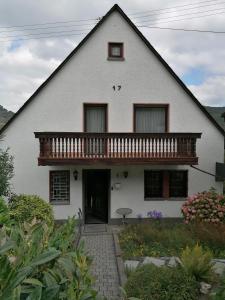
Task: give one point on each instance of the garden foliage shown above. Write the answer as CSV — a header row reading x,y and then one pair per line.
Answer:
x,y
24,208
219,294
198,263
165,239
34,266
155,283
4,213
205,207
6,167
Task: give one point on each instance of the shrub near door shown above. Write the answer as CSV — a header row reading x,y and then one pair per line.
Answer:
x,y
27,207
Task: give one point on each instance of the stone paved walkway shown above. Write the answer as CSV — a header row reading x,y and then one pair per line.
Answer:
x,y
99,245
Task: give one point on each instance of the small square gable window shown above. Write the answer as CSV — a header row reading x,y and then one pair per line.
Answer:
x,y
115,51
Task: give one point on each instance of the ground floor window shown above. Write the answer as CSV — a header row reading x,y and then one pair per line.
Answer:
x,y
165,183
59,186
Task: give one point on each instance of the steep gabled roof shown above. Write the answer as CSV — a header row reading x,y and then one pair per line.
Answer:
x,y
151,48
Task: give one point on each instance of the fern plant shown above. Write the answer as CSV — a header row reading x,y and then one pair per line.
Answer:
x,y
198,263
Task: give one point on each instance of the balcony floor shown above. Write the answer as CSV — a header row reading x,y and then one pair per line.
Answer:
x,y
118,161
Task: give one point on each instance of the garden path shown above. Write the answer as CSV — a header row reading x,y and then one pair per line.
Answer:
x,y
99,245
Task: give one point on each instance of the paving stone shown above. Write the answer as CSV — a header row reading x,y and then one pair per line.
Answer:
x,y
219,268
174,261
131,264
100,247
155,261
205,288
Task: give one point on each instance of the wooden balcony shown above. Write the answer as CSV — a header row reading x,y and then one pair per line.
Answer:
x,y
72,148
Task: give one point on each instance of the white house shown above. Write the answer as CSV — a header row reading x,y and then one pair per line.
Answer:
x,y
113,127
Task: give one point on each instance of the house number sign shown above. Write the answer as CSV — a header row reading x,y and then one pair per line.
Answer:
x,y
117,87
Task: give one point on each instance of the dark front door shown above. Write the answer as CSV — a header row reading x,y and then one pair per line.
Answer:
x,y
96,194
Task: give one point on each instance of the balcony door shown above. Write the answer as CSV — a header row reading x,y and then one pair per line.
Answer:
x,y
95,121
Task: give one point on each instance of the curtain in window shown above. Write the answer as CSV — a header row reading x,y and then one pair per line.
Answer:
x,y
150,119
95,122
95,119
116,51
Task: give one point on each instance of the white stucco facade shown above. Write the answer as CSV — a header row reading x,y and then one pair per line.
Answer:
x,y
88,77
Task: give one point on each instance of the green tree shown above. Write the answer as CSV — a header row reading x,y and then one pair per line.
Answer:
x,y
6,172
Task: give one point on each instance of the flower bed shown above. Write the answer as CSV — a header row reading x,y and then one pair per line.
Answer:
x,y
166,239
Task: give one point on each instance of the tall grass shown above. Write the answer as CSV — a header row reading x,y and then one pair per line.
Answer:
x,y
151,239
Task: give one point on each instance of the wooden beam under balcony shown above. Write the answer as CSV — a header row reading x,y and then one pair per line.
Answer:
x,y
72,148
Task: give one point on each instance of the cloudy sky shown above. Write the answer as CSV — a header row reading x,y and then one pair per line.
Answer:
x,y
27,57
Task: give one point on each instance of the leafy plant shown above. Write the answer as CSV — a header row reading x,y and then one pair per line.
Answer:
x,y
24,208
31,268
198,263
220,292
4,213
153,283
206,207
6,167
63,236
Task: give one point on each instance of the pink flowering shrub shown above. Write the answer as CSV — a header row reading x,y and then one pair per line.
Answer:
x,y
204,207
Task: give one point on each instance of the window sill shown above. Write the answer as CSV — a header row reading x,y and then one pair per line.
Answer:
x,y
59,202
116,58
166,199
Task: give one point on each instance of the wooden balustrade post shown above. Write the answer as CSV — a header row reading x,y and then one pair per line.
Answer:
x,y
127,148
46,148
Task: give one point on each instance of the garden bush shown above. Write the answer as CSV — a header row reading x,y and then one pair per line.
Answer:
x,y
6,167
198,263
205,207
63,236
24,208
153,283
32,268
4,213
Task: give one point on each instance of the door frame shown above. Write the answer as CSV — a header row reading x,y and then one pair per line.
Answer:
x,y
84,176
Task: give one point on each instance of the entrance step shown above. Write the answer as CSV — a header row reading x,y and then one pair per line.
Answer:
x,y
96,229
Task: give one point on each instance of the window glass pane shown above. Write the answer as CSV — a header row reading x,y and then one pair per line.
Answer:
x,y
178,183
153,184
59,186
150,119
116,51
95,119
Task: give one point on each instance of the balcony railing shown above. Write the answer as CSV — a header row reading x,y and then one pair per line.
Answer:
x,y
117,148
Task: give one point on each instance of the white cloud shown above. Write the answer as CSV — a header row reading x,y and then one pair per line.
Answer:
x,y
23,66
211,92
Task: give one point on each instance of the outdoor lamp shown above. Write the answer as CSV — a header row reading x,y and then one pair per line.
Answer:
x,y
75,174
125,174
